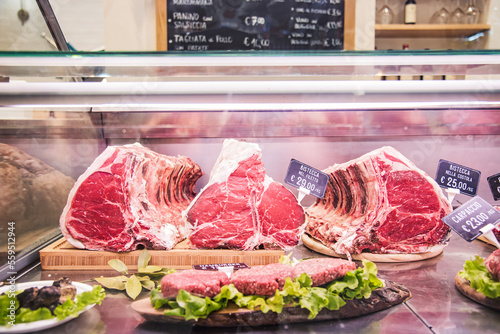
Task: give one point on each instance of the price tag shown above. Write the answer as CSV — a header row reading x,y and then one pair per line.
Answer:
x,y
308,179
235,266
473,216
452,175
494,182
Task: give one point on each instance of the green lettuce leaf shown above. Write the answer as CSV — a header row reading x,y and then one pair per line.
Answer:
x,y
82,300
26,315
480,278
298,292
357,283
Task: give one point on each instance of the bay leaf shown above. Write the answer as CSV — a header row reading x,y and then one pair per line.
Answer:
x,y
150,269
149,284
118,266
133,287
144,259
115,283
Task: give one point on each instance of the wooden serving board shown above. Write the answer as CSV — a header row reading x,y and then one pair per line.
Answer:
x,y
319,247
61,255
232,316
464,287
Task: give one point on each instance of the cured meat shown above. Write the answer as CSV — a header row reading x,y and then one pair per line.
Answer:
x,y
32,194
262,280
199,282
492,263
130,196
380,203
241,207
323,270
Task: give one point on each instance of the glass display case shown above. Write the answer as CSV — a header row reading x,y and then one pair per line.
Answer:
x,y
59,110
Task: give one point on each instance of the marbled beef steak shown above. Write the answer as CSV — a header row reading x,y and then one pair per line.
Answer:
x,y
380,203
130,196
241,207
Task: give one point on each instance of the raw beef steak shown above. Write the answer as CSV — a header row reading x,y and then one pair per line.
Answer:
x,y
198,282
380,203
492,263
323,270
130,196
241,207
262,280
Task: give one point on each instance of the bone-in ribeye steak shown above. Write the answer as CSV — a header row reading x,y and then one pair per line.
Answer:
x,y
380,203
241,207
130,196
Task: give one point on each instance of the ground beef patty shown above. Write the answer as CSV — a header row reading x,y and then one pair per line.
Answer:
x,y
199,282
261,280
323,270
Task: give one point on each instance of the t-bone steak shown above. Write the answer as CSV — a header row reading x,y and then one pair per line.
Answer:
x,y
241,207
380,203
130,196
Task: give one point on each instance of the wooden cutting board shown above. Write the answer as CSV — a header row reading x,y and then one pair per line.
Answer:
x,y
390,295
61,255
464,287
319,247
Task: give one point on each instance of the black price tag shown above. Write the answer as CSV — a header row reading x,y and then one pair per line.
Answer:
x,y
494,182
235,266
468,219
452,175
307,178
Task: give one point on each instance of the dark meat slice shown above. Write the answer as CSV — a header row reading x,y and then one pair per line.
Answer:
x,y
262,280
27,297
68,290
48,297
492,263
198,282
323,270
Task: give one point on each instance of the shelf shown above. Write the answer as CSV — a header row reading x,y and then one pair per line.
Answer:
x,y
429,30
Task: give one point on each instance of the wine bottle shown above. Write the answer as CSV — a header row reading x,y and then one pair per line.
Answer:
x,y
410,12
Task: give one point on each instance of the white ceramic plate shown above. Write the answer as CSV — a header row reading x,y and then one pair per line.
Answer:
x,y
41,324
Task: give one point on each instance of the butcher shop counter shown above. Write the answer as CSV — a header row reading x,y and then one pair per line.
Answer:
x,y
436,305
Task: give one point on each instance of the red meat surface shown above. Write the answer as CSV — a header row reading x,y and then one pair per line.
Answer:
x,y
204,283
492,263
262,280
380,203
323,270
129,197
243,208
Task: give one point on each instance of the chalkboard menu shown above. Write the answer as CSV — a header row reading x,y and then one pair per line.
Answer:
x,y
212,25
